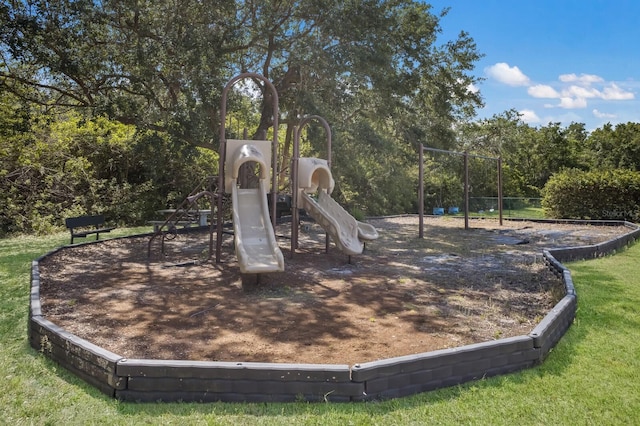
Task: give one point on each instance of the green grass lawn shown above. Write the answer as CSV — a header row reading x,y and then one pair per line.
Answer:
x,y
591,377
523,213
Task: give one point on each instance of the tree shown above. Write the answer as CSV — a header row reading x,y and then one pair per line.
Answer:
x,y
505,135
153,64
612,148
57,166
162,64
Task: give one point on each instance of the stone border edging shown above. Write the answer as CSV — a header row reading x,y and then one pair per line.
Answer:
x,y
203,381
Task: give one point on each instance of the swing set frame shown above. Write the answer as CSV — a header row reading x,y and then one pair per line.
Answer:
x,y
465,156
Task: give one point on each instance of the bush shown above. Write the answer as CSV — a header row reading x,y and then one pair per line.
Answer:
x,y
53,169
597,194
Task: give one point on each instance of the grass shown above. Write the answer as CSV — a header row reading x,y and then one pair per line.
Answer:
x,y
591,377
522,213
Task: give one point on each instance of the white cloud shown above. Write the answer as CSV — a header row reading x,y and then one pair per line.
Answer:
x,y
581,92
472,88
511,76
574,91
529,116
569,97
571,103
585,79
602,114
615,93
543,91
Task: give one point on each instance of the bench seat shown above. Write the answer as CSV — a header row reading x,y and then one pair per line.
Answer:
x,y
85,223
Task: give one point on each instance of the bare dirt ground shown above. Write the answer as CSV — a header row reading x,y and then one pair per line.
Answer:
x,y
402,296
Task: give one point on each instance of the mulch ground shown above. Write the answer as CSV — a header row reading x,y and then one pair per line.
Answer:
x,y
403,295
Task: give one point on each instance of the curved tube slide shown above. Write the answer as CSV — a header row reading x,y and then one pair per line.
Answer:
x,y
347,233
336,221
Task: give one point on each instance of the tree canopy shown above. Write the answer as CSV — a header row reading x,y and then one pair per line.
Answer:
x,y
162,64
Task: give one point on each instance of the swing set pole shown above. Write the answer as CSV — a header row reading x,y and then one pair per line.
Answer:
x,y
466,190
499,161
421,192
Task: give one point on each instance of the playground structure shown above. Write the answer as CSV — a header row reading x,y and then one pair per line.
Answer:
x,y
254,218
254,203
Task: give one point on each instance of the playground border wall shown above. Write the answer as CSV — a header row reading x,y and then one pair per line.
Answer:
x,y
142,380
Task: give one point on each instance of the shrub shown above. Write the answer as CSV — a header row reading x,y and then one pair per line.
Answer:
x,y
72,166
597,194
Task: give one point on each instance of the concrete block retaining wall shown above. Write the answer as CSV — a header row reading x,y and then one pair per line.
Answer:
x,y
171,380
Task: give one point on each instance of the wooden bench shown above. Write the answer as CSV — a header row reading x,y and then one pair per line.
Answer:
x,y
88,225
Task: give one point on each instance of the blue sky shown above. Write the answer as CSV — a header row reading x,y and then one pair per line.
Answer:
x,y
554,61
